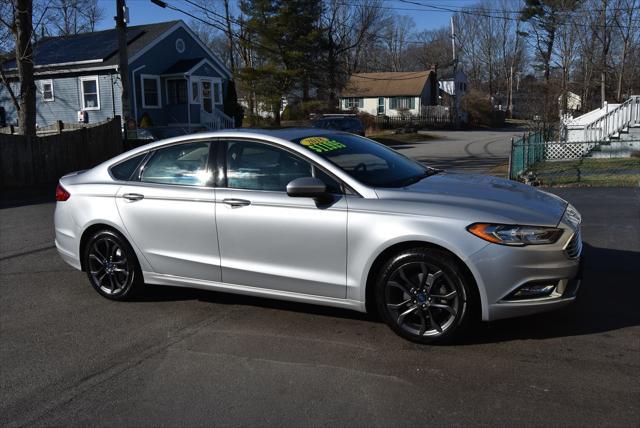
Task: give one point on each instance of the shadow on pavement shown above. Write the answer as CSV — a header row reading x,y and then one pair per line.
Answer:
x,y
607,300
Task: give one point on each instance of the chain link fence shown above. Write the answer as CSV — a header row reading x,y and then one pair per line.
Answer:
x,y
537,159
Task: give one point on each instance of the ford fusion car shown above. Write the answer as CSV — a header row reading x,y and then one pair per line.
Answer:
x,y
321,217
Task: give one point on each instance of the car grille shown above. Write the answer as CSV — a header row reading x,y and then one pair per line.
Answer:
x,y
574,246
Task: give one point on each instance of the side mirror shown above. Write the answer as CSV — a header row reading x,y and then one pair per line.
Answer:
x,y
307,187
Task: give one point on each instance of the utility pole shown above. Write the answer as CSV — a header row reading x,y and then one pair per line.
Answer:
x,y
229,36
123,60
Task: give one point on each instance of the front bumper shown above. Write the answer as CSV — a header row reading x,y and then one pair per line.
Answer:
x,y
502,270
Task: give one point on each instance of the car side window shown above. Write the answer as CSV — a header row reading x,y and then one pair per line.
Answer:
x,y
182,164
257,166
124,170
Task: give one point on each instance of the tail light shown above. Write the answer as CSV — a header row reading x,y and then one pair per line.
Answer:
x,y
61,194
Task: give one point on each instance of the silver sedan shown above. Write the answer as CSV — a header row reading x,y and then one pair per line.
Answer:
x,y
320,217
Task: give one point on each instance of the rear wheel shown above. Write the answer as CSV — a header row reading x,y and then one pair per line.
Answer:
x,y
423,295
112,266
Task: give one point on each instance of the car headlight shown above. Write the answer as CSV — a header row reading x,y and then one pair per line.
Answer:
x,y
516,235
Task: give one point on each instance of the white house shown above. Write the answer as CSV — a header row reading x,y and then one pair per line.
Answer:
x,y
390,93
452,82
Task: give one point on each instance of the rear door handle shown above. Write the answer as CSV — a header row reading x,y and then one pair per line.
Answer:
x,y
133,196
236,202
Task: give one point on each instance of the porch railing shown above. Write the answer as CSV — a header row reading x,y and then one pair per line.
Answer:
x,y
219,121
615,121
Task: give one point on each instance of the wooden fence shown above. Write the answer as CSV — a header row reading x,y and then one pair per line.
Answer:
x,y
43,160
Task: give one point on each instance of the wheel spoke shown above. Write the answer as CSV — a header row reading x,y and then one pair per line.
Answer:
x,y
95,272
423,278
112,284
433,321
445,307
423,323
400,286
397,306
98,252
403,276
96,258
405,313
448,296
431,279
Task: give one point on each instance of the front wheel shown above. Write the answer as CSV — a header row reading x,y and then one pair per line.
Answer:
x,y
112,266
423,295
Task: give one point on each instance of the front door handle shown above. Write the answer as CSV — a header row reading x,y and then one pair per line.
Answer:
x,y
236,202
133,196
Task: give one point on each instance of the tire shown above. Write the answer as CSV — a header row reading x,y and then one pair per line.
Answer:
x,y
112,267
423,296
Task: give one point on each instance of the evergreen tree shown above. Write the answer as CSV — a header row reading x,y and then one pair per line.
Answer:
x,y
284,37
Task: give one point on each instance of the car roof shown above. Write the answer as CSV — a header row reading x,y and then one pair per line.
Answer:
x,y
287,133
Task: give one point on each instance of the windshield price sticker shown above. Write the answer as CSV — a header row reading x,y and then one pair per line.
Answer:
x,y
321,144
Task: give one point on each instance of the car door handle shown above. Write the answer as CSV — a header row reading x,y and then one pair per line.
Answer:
x,y
133,196
236,202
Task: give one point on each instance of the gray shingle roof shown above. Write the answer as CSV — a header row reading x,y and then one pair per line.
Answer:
x,y
97,49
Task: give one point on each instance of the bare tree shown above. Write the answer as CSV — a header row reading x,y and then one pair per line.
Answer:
x,y
20,27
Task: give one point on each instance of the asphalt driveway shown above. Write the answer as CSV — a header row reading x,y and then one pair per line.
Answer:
x,y
474,151
188,357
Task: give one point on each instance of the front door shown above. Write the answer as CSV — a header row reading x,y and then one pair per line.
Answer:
x,y
271,240
170,212
206,100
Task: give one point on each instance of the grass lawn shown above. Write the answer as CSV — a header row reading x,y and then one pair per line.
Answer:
x,y
589,172
390,139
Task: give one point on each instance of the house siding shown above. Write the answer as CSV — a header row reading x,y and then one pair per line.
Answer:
x,y
370,106
67,100
154,61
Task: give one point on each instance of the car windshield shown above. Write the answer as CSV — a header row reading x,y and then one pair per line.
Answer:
x,y
367,161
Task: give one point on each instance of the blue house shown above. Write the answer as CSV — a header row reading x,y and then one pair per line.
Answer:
x,y
173,78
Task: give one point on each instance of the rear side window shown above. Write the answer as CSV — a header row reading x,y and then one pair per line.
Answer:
x,y
183,164
124,170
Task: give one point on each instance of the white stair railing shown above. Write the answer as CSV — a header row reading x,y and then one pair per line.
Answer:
x,y
613,122
220,121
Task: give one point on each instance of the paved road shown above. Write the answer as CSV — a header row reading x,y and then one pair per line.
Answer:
x,y
185,357
474,151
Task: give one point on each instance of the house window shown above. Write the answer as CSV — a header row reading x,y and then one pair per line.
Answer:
x,y
89,88
350,103
46,87
195,93
177,91
402,103
150,91
217,93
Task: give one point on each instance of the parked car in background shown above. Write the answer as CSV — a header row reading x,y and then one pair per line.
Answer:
x,y
347,123
322,217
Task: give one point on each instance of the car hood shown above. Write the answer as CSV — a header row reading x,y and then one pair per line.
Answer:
x,y
484,198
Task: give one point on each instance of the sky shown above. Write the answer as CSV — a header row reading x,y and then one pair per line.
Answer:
x,y
145,12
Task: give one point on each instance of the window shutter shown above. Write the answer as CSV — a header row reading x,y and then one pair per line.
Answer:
x,y
393,104
413,102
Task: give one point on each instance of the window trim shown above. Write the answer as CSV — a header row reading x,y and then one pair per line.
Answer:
x,y
197,92
217,165
82,93
53,96
155,77
166,87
